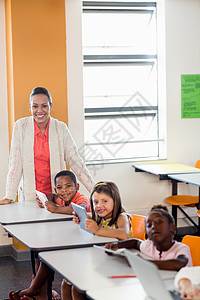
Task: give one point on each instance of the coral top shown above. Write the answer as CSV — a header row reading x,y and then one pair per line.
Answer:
x,y
77,199
42,160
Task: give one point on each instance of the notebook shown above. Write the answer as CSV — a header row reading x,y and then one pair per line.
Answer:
x,y
150,278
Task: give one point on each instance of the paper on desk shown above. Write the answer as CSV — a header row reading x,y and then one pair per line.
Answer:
x,y
119,251
122,251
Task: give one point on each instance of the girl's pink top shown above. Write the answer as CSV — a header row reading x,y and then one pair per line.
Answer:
x,y
148,248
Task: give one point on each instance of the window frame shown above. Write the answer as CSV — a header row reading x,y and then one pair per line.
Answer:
x,y
133,59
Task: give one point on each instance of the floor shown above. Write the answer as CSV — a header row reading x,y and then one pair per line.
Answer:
x,y
16,275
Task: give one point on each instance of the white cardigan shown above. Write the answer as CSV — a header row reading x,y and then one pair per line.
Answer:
x,y
21,165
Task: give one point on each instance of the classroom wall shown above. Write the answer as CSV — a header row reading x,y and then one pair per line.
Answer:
x,y
139,191
36,54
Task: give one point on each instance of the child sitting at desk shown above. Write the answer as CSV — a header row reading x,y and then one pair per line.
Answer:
x,y
108,219
161,247
188,280
66,188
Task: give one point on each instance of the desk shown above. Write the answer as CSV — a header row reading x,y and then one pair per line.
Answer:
x,y
191,179
163,171
53,235
133,291
28,212
89,268
130,291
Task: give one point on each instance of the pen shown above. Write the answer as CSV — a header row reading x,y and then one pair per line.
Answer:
x,y
122,276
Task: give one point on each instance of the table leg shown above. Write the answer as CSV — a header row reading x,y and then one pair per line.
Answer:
x,y
174,192
198,206
33,256
174,213
49,285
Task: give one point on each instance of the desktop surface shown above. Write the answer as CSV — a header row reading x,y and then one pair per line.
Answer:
x,y
54,235
28,212
93,269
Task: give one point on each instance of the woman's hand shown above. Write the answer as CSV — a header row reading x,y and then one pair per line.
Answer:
x,y
5,201
75,218
91,225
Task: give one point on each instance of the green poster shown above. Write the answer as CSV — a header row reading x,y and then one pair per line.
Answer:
x,y
190,96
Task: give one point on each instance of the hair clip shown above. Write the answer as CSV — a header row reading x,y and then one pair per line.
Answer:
x,y
100,183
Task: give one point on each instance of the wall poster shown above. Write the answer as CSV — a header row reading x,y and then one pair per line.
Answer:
x,y
190,96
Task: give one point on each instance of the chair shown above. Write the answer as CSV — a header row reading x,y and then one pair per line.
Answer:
x,y
185,200
194,243
138,226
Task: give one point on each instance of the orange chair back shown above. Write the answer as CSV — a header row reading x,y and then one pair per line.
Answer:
x,y
138,226
194,243
198,164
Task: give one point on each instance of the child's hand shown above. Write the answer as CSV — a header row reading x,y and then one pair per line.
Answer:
x,y
91,225
191,293
75,218
50,206
114,246
188,291
39,202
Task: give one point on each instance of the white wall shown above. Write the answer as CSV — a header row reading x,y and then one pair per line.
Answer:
x,y
183,57
138,190
4,141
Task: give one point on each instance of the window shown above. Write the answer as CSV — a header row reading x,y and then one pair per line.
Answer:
x,y
120,75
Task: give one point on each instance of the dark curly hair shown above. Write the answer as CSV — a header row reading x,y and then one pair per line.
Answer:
x,y
162,210
66,173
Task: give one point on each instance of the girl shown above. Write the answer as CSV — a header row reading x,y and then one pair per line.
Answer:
x,y
188,280
108,219
107,213
166,253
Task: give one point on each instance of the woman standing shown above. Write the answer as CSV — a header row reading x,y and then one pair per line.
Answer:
x,y
41,147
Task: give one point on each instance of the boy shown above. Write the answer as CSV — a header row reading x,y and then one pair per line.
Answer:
x,y
66,189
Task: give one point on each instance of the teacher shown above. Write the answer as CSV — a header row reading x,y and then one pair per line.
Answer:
x,y
41,147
